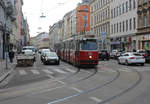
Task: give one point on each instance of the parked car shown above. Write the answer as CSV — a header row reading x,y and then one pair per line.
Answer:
x,y
131,58
113,54
146,54
51,58
104,54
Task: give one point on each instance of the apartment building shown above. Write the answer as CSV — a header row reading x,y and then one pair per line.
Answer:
x,y
143,35
123,24
100,21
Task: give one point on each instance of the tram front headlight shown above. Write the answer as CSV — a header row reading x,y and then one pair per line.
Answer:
x,y
90,57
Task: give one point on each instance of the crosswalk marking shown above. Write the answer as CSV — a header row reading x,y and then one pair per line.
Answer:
x,y
76,89
60,71
67,69
35,71
22,72
48,71
96,99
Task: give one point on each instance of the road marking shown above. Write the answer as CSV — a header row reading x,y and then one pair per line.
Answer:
x,y
61,82
35,72
50,76
60,71
67,69
22,72
76,89
48,71
97,100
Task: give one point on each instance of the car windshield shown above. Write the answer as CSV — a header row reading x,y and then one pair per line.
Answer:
x,y
89,45
136,54
46,50
33,49
51,54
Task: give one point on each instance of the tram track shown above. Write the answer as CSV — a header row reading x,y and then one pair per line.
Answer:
x,y
55,81
126,90
87,91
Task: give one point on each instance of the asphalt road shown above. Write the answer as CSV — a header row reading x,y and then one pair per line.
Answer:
x,y
109,83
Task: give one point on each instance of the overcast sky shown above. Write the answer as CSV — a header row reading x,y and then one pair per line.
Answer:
x,y
54,10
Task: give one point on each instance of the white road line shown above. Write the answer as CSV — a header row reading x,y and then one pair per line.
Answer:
x,y
97,100
50,76
22,72
76,89
67,69
35,71
59,71
61,82
48,71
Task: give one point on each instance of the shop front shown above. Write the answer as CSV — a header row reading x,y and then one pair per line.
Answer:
x,y
144,42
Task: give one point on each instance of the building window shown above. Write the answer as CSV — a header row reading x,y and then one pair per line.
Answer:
x,y
139,20
117,11
120,10
130,4
85,17
134,23
111,13
114,28
123,26
123,8
111,29
145,20
117,27
114,12
126,25
120,26
126,6
134,4
130,24
85,9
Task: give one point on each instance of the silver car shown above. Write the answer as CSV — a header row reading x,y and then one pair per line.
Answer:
x,y
131,58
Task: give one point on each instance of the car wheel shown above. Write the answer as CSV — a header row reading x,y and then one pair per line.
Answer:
x,y
118,61
127,63
142,64
58,63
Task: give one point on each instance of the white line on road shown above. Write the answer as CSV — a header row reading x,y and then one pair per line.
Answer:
x,y
22,72
76,89
35,71
61,82
59,71
48,71
67,69
97,100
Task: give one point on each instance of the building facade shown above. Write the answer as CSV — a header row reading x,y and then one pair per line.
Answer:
x,y
8,15
123,24
100,21
143,35
82,18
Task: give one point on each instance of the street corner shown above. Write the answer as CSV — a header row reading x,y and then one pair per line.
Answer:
x,y
6,75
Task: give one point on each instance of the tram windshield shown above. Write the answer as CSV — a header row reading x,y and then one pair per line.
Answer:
x,y
89,45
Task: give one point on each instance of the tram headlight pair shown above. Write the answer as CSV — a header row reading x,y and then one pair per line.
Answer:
x,y
90,57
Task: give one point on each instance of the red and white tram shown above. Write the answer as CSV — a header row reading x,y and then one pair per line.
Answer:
x,y
79,50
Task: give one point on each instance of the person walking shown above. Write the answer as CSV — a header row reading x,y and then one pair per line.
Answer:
x,y
11,55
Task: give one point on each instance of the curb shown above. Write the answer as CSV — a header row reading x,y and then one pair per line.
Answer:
x,y
5,75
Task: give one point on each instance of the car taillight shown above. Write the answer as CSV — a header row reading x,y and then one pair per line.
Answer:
x,y
132,58
143,58
145,55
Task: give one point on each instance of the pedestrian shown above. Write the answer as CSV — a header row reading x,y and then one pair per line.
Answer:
x,y
11,56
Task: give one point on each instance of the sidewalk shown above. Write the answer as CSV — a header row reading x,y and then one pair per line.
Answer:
x,y
5,72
